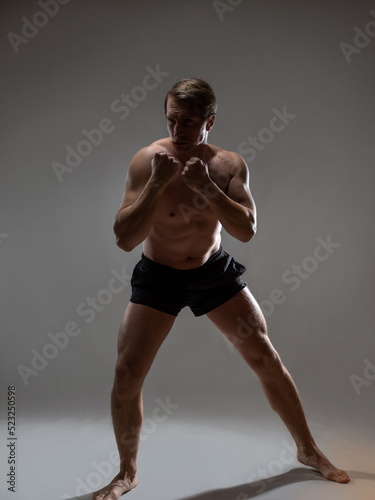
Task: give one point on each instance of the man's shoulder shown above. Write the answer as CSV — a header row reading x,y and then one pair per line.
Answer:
x,y
159,145
224,156
148,152
144,156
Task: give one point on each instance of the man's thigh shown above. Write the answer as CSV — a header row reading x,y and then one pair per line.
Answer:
x,y
242,321
142,331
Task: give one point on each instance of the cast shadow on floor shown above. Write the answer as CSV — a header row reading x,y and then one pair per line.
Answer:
x,y
256,488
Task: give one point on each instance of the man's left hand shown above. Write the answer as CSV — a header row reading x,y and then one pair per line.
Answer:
x,y
195,174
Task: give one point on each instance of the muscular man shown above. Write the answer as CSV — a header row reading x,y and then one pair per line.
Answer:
x,y
179,193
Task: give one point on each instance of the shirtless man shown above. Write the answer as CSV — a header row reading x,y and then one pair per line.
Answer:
x,y
179,193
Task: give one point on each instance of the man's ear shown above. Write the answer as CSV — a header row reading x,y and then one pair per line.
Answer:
x,y
210,122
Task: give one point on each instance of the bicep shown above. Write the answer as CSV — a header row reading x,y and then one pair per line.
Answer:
x,y
138,174
239,187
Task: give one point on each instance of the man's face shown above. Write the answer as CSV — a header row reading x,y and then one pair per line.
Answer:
x,y
186,127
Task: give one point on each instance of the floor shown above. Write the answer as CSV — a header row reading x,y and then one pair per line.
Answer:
x,y
189,459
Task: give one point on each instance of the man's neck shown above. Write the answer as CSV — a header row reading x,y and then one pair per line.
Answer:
x,y
199,152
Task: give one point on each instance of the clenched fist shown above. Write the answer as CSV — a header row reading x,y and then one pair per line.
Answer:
x,y
164,166
195,174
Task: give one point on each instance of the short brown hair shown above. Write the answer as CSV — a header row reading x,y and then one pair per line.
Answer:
x,y
196,91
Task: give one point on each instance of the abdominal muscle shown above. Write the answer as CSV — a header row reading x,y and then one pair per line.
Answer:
x,y
181,245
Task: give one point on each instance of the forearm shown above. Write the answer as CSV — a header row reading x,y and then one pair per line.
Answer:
x,y
239,221
133,223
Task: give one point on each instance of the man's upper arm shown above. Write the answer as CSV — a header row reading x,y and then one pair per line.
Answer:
x,y
138,174
239,189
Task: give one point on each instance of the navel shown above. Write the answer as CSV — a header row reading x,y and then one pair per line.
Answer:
x,y
172,214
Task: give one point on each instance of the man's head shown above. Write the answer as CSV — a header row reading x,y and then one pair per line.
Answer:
x,y
190,109
198,93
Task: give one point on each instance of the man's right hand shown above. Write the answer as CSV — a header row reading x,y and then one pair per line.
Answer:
x,y
164,167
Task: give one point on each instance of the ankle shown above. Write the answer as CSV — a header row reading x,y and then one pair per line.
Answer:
x,y
128,471
307,448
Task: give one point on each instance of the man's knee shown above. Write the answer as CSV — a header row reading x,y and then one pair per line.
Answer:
x,y
128,380
263,357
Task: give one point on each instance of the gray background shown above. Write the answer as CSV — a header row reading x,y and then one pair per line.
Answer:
x,y
314,179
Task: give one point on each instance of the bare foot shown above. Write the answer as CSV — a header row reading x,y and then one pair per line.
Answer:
x,y
315,458
115,488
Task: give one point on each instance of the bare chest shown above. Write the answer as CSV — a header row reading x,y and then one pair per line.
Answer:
x,y
179,201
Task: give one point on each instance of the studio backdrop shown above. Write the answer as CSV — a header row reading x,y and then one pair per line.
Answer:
x,y
83,85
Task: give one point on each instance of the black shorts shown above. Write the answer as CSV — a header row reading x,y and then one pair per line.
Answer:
x,y
202,289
